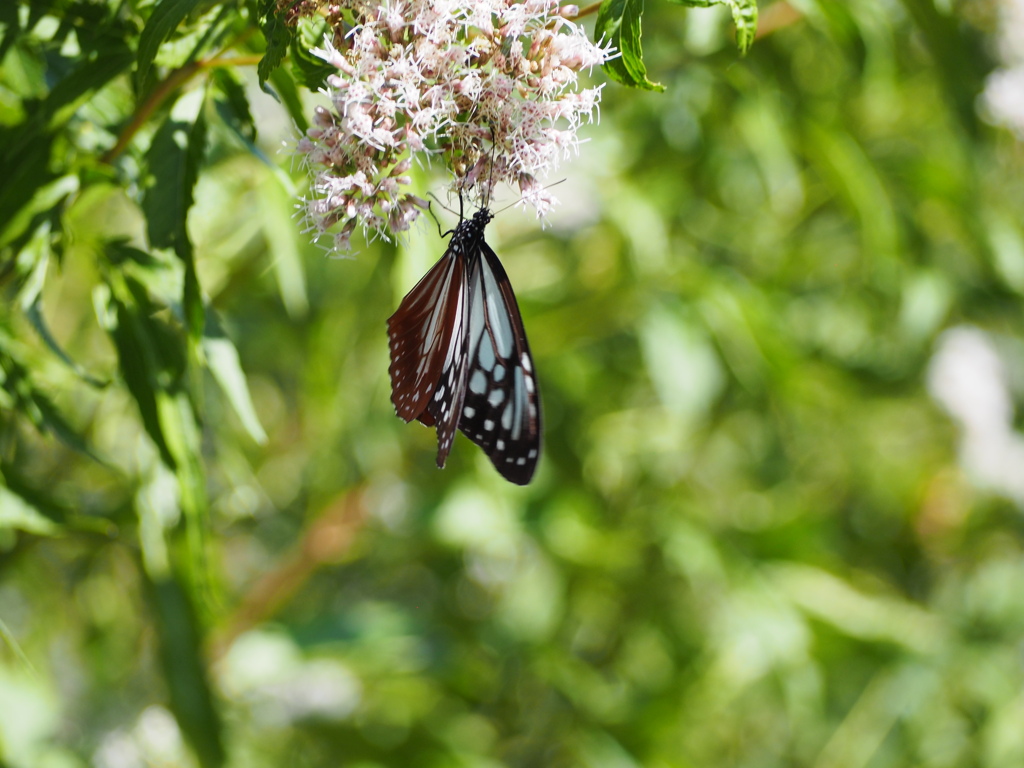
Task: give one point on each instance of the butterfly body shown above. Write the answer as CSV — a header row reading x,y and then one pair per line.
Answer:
x,y
460,359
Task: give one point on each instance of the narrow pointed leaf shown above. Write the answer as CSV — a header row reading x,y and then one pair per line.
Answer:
x,y
174,157
223,362
184,670
275,205
286,91
16,380
233,105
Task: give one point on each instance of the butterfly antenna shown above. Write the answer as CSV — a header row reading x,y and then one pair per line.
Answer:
x,y
437,221
438,201
549,186
490,169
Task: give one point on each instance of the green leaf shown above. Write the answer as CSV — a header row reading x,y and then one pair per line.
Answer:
x,y
311,71
223,362
16,512
744,16
192,298
31,402
285,90
25,150
958,57
179,428
119,252
31,302
75,89
278,36
168,197
166,17
618,22
11,21
34,313
38,510
185,671
275,204
23,174
233,105
174,158
150,355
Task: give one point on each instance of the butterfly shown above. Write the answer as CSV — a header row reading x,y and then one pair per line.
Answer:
x,y
459,356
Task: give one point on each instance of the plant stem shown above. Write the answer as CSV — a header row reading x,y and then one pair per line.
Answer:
x,y
588,10
169,85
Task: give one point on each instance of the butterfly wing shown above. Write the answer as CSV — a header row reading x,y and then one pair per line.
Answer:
x,y
427,340
500,411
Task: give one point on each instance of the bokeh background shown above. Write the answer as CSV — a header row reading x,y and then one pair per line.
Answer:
x,y
778,326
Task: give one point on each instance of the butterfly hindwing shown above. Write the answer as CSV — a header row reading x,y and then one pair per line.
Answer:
x,y
501,407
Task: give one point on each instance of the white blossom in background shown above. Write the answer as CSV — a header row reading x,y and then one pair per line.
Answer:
x,y
968,379
1003,98
490,87
154,740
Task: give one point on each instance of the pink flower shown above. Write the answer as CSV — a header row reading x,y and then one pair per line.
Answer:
x,y
488,86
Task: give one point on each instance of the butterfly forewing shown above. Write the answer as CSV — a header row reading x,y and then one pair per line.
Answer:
x,y
501,407
443,405
423,333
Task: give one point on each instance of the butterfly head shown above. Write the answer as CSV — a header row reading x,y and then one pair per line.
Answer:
x,y
482,218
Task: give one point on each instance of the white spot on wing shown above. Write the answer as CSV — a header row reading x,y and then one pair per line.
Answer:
x,y
478,382
486,354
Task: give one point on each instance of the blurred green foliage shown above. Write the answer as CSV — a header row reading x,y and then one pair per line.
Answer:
x,y
753,540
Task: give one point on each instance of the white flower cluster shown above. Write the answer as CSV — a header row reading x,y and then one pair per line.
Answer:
x,y
1003,97
489,86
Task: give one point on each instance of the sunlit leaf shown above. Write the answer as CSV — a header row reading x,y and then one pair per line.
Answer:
x,y
166,17
285,89
233,104
311,71
175,156
618,23
30,401
30,300
89,76
275,201
226,367
150,355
